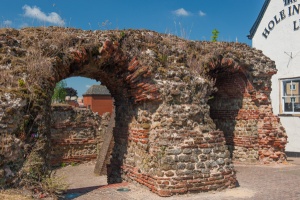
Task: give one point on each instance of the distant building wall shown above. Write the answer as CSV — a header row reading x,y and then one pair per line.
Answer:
x,y
100,104
88,101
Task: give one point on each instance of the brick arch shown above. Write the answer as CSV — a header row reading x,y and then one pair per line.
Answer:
x,y
164,135
242,110
131,86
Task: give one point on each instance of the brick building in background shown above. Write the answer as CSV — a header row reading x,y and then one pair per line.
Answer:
x,y
98,99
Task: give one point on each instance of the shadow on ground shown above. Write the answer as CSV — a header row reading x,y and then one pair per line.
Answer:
x,y
77,192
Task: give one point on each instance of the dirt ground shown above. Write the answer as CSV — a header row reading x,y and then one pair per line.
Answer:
x,y
275,182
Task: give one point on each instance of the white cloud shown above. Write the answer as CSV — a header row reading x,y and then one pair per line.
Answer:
x,y
35,13
201,13
7,23
181,12
87,86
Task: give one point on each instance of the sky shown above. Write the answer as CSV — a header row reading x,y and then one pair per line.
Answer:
x,y
189,19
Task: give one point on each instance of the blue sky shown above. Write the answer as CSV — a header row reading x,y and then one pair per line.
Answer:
x,y
190,19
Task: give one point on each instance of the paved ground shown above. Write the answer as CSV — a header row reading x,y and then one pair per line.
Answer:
x,y
276,182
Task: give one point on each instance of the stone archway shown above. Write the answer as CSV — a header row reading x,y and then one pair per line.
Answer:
x,y
164,136
241,108
225,105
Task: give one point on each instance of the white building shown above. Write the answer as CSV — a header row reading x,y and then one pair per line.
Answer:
x,y
277,33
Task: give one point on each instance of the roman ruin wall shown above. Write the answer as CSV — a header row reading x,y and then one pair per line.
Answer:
x,y
77,134
184,109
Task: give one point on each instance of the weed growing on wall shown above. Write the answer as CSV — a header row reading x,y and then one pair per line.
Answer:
x,y
215,35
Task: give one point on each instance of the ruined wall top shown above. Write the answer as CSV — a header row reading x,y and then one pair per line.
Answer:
x,y
33,56
59,45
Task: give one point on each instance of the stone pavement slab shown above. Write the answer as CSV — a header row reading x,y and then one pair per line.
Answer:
x,y
255,182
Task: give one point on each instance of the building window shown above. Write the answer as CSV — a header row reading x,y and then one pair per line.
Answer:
x,y
293,86
291,96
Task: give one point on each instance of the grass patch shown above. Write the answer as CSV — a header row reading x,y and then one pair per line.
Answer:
x,y
55,185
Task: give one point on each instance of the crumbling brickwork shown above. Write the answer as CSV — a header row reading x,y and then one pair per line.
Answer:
x,y
179,104
245,116
77,134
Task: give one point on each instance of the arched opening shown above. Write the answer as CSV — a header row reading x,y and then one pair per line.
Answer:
x,y
91,105
241,108
81,132
79,122
130,84
233,110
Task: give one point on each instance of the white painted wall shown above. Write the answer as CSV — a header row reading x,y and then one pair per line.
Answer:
x,y
283,46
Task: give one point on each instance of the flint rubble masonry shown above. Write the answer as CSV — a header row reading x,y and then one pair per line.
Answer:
x,y
179,104
77,134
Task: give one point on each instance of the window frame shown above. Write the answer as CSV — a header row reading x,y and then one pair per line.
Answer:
x,y
293,88
283,95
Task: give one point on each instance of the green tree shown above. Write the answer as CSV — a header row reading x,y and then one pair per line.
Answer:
x,y
215,35
60,93
71,92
